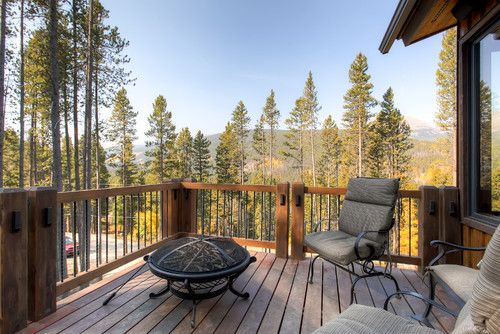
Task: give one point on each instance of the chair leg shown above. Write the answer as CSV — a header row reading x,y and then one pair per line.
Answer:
x,y
311,269
432,287
354,285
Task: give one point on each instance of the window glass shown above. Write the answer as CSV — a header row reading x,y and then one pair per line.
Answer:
x,y
488,93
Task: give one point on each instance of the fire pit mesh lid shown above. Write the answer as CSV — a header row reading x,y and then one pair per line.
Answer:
x,y
196,255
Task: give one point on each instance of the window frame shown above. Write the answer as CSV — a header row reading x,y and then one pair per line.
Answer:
x,y
471,47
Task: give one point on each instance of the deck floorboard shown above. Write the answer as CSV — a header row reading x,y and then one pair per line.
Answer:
x,y
280,300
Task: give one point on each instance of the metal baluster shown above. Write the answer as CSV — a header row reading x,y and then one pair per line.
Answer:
x,y
63,241
156,208
139,221
217,213
96,230
75,249
116,227
132,218
231,213
107,228
224,212
329,212
409,225
320,212
151,217
202,212
87,241
311,214
124,227
144,206
210,212
254,214
246,215
270,220
262,214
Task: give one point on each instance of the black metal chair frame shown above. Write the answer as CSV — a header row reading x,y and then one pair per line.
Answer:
x,y
366,263
446,249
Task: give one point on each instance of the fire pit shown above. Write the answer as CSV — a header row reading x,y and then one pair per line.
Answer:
x,y
198,268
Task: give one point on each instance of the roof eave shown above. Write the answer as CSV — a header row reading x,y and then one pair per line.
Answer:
x,y
403,11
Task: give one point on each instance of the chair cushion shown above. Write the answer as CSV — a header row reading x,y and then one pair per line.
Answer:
x,y
338,246
464,324
485,300
360,319
460,279
356,217
373,190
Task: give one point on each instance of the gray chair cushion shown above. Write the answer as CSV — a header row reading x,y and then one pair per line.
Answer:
x,y
368,205
485,301
460,279
464,324
338,246
360,319
378,191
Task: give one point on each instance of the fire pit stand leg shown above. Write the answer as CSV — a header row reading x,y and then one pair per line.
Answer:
x,y
193,314
161,292
243,295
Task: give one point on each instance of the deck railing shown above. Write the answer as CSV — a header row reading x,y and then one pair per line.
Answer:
x,y
115,226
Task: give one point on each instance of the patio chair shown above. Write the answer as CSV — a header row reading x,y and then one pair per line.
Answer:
x,y
456,280
365,221
480,314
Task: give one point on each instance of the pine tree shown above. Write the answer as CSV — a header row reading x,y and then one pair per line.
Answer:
x,y
11,162
329,161
260,147
446,78
311,109
226,166
122,133
297,124
241,120
184,153
357,104
3,37
271,115
201,157
389,141
162,135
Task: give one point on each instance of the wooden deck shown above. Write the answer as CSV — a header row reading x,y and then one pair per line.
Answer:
x,y
280,301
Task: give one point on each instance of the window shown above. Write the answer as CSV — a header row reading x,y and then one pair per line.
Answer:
x,y
485,176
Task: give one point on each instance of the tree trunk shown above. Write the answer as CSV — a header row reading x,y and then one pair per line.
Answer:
x,y
3,28
66,138
55,125
33,170
21,98
54,85
88,102
75,101
360,148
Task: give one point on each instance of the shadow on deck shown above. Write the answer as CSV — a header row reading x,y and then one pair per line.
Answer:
x,y
280,301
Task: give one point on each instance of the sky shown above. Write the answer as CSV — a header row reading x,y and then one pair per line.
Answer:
x,y
206,55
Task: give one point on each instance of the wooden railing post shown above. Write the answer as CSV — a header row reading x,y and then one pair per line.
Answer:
x,y
13,260
428,217
42,233
171,208
282,219
188,208
449,221
297,201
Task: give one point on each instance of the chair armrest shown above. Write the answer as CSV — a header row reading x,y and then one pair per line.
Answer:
x,y
449,248
316,224
358,240
422,298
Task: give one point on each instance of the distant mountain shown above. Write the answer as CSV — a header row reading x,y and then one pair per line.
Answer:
x,y
421,130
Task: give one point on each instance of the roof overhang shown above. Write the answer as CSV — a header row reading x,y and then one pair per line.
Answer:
x,y
415,20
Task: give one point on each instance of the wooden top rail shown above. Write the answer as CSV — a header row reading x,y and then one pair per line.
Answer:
x,y
342,191
233,187
82,195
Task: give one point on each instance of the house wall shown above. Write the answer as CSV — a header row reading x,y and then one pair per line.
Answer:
x,y
475,233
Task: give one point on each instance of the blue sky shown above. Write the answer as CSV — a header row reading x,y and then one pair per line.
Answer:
x,y
206,55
